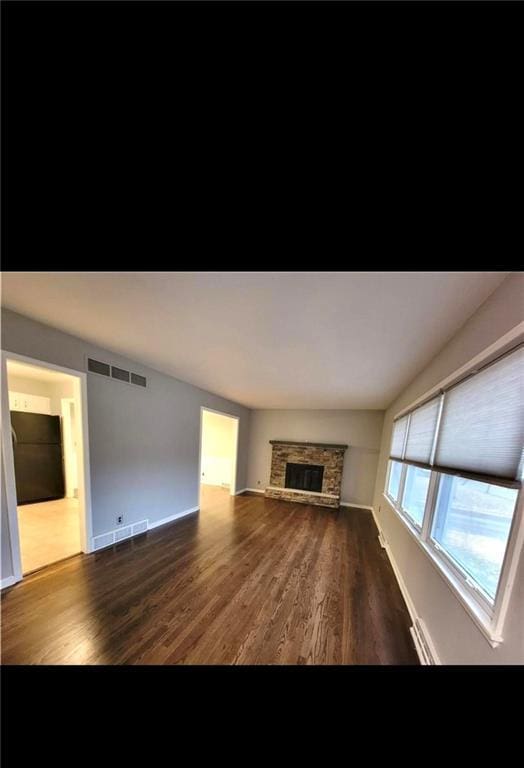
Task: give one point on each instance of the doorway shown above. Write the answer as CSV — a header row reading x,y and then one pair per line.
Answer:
x,y
218,454
45,462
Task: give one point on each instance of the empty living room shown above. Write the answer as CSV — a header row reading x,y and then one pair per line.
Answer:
x,y
262,468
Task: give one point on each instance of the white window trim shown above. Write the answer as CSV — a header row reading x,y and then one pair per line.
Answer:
x,y
480,618
489,617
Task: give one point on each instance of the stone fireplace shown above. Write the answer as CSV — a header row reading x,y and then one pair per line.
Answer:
x,y
309,473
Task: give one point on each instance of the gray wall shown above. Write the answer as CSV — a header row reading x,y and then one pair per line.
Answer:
x,y
361,430
456,637
143,443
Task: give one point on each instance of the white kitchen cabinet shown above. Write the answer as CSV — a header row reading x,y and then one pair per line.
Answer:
x,y
31,403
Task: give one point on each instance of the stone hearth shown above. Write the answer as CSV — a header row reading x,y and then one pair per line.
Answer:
x,y
328,455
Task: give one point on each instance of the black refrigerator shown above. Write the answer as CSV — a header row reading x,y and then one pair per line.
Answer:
x,y
37,449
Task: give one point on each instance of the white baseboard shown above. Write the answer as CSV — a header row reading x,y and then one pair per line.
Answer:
x,y
421,638
237,493
255,490
157,523
7,582
358,506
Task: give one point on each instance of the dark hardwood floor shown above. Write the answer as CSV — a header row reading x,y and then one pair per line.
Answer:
x,y
245,581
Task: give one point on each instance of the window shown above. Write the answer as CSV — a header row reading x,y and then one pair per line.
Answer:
x,y
415,493
455,477
472,524
399,438
422,425
394,479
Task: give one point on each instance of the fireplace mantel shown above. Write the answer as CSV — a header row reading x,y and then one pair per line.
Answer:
x,y
313,445
330,456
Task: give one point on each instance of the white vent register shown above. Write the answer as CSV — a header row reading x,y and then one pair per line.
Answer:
x,y
119,534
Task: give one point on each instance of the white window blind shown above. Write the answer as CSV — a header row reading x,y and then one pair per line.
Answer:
x,y
397,440
421,433
482,423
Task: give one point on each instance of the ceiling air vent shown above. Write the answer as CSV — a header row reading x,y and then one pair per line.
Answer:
x,y
95,366
136,379
119,373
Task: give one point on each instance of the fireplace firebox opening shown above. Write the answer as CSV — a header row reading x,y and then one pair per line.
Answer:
x,y
304,477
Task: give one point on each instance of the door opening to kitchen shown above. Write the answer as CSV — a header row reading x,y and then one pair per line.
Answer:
x,y
45,415
218,457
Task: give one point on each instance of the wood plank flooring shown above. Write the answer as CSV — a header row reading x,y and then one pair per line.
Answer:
x,y
247,580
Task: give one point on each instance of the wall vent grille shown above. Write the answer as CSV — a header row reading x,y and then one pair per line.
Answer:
x,y
100,542
95,366
115,372
119,373
139,380
140,527
123,533
112,537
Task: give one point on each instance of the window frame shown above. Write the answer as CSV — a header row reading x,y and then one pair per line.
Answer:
x,y
488,615
400,484
460,572
418,526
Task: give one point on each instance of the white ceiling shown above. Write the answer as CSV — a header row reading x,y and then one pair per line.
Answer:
x,y
35,372
264,339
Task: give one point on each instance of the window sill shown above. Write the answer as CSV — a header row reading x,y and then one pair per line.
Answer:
x,y
481,618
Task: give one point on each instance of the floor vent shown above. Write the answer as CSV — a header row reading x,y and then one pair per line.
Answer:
x,y
123,533
424,646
